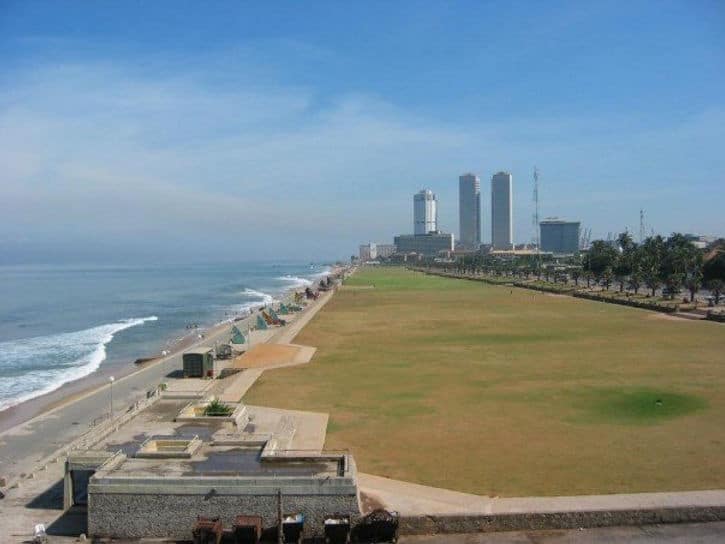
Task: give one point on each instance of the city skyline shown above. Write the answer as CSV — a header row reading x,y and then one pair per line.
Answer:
x,y
114,129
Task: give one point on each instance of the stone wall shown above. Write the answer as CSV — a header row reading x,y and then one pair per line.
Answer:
x,y
122,515
530,521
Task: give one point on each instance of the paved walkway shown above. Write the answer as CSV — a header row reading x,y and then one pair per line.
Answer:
x,y
414,500
685,533
25,445
239,384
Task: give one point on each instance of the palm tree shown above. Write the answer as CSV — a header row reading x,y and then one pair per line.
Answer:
x,y
575,275
635,281
716,287
693,282
625,260
650,261
607,278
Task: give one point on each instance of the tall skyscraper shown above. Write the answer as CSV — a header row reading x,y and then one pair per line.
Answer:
x,y
469,211
502,236
425,212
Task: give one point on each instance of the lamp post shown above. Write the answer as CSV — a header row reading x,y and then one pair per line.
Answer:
x,y
111,379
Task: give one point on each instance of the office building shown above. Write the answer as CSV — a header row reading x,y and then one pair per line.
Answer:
x,y
469,211
425,212
502,211
559,237
430,244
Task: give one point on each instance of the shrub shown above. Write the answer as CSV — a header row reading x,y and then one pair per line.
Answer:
x,y
217,408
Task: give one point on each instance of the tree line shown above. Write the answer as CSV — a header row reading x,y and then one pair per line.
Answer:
x,y
672,264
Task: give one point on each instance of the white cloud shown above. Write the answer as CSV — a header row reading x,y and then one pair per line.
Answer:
x,y
93,151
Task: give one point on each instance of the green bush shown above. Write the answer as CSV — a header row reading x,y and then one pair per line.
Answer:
x,y
217,408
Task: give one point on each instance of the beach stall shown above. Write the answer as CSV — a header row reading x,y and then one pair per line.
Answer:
x,y
199,362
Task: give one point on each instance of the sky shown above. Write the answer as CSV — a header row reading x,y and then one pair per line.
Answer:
x,y
194,131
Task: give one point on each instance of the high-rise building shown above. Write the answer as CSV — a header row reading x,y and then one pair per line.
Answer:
x,y
559,236
469,211
425,212
502,236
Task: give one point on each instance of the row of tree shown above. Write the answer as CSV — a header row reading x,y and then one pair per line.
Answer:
x,y
671,264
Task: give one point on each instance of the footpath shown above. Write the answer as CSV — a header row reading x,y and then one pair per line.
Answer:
x,y
32,454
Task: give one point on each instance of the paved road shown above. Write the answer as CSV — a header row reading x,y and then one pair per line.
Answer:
x,y
685,533
24,445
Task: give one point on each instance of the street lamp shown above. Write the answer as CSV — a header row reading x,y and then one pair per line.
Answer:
x,y
111,379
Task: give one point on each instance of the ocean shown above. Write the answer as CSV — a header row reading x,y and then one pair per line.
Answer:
x,y
62,323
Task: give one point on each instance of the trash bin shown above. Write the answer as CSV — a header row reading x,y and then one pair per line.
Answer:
x,y
292,527
337,529
207,531
378,526
247,529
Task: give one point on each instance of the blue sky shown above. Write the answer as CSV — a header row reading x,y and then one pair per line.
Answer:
x,y
151,130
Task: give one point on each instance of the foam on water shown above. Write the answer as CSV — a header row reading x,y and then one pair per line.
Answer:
x,y
263,298
35,366
296,281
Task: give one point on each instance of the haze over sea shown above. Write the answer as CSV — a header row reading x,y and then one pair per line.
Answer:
x,y
61,323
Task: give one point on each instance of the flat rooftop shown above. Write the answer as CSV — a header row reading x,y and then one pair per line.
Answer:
x,y
224,461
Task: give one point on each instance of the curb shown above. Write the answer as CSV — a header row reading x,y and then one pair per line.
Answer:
x,y
525,521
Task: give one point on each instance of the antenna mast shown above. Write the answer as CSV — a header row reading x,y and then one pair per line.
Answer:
x,y
641,226
536,209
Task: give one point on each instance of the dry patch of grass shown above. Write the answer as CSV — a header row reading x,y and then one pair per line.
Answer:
x,y
482,389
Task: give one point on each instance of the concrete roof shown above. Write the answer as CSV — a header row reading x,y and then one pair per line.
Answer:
x,y
199,350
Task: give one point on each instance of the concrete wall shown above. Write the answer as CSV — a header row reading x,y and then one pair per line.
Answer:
x,y
528,521
122,515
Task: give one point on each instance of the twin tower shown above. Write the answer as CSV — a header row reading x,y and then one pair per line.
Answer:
x,y
470,216
425,211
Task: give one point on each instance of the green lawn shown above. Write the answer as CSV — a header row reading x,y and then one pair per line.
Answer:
x,y
504,391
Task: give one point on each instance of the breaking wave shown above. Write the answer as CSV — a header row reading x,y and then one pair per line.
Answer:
x,y
296,281
35,366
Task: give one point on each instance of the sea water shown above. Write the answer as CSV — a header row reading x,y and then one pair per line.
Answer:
x,y
61,323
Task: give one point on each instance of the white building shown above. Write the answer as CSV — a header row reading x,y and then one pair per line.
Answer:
x,y
372,251
368,252
425,212
385,250
469,211
502,236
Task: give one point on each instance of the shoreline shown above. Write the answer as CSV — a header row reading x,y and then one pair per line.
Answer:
x,y
70,391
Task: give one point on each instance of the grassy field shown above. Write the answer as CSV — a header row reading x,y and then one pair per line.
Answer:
x,y
510,392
